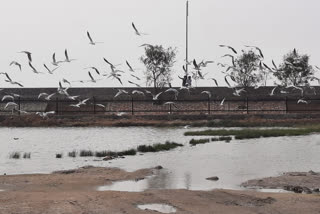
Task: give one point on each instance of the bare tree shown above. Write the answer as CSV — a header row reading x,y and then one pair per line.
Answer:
x,y
159,62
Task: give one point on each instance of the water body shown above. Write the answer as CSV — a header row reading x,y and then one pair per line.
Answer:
x,y
184,168
162,208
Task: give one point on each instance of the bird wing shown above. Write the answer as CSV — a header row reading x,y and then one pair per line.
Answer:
x,y
91,76
195,64
66,54
135,77
274,65
156,97
47,68
88,34
134,84
97,71
29,56
215,81
129,66
267,67
32,66
54,58
134,27
108,62
225,79
119,80
8,77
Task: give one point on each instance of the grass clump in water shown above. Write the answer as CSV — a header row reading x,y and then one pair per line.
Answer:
x,y
158,147
86,153
59,155
225,138
194,142
129,152
27,155
72,154
254,133
102,154
15,155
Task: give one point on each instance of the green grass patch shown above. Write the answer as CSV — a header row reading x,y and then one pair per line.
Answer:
x,y
158,147
130,152
86,153
255,133
194,142
72,154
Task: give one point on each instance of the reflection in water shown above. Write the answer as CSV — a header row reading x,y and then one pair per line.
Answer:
x,y
187,180
161,180
162,208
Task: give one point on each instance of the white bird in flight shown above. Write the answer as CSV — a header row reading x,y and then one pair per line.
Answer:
x,y
91,40
16,63
81,102
28,54
120,91
136,30
67,56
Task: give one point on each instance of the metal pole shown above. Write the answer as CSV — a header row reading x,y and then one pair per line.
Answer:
x,y
187,35
132,111
286,104
94,105
57,105
19,106
209,105
247,105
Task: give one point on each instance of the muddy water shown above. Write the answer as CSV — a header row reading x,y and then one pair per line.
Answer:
x,y
185,167
162,208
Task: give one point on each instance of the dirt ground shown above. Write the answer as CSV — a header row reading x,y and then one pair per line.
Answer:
x,y
74,192
156,120
307,182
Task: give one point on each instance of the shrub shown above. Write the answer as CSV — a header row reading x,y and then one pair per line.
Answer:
x,y
72,154
27,155
86,153
58,155
15,155
158,147
129,152
199,141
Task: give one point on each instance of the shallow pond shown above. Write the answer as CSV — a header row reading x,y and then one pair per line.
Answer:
x,y
162,208
185,167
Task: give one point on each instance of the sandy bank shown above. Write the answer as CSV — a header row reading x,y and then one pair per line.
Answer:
x,y
298,182
74,191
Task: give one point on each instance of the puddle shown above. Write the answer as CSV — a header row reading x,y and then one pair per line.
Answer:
x,y
126,186
159,180
162,208
270,190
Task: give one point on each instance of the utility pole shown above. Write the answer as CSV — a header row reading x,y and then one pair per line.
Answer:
x,y
187,34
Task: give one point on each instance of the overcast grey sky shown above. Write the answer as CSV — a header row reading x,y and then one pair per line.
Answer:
x,y
44,27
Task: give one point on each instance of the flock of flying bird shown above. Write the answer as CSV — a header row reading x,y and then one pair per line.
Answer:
x,y
117,74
